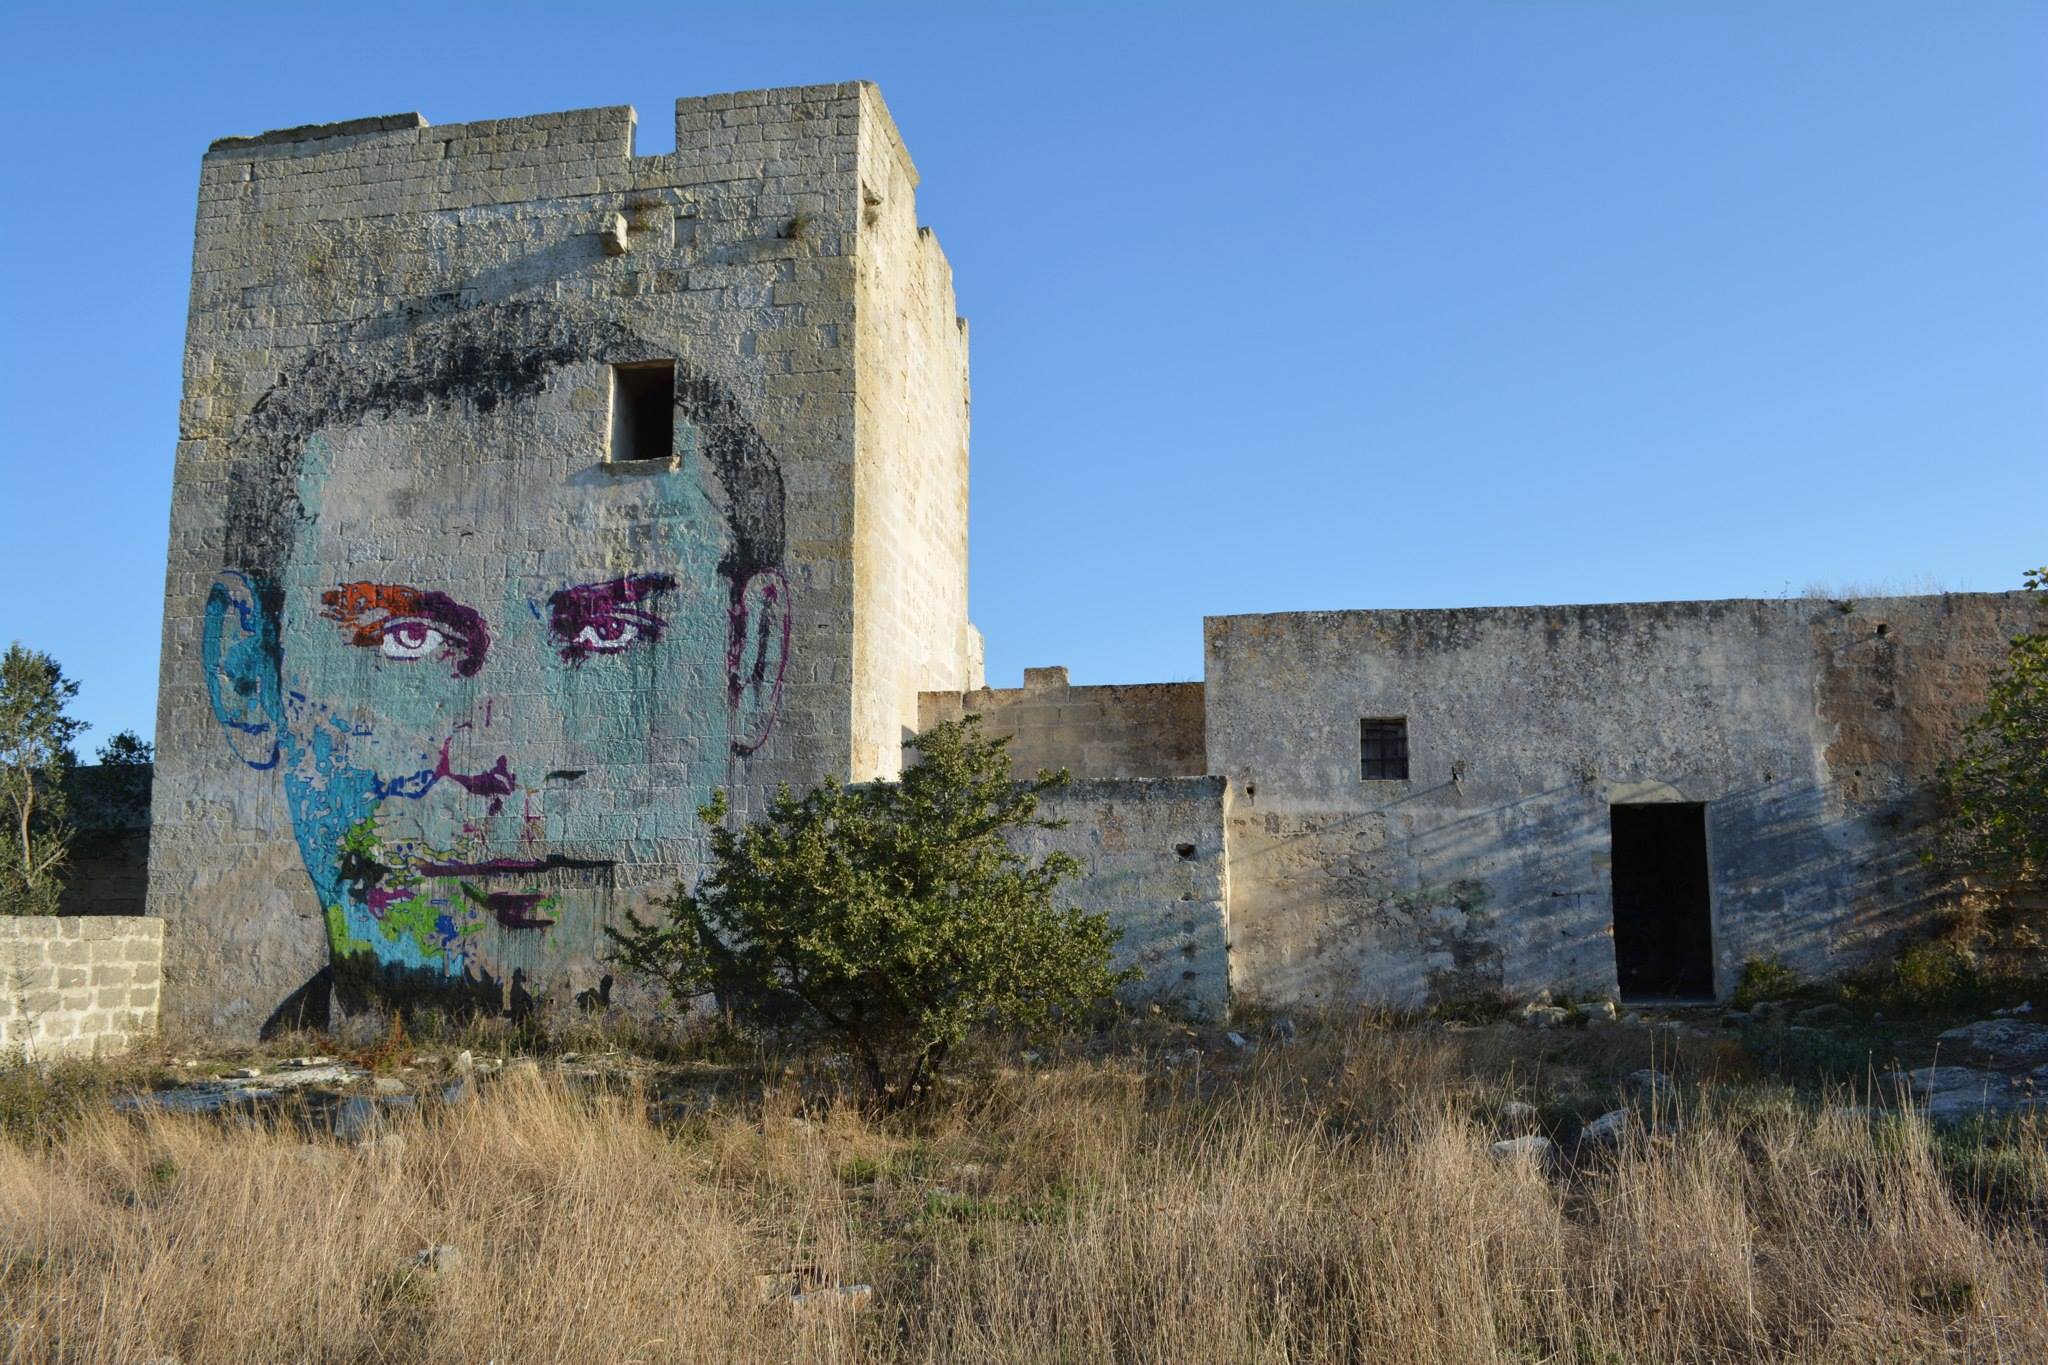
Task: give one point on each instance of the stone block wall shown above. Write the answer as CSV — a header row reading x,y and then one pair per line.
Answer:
x,y
1134,730
1152,854
108,873
1806,730
444,678
910,481
78,986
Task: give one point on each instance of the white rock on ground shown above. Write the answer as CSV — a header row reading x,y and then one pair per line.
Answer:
x,y
1610,1129
2005,1039
1535,1149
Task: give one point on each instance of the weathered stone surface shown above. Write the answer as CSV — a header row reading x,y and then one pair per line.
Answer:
x,y
73,986
2002,1039
1934,1080
1136,730
1807,731
1535,1149
1152,855
397,518
1610,1129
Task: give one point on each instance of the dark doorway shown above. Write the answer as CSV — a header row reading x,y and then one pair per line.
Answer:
x,y
1663,926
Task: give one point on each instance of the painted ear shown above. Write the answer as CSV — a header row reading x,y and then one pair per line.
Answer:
x,y
757,652
238,652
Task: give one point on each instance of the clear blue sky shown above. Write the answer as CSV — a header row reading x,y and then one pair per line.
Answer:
x,y
1274,306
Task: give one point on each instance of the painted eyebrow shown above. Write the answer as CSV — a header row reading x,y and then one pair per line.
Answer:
x,y
570,609
363,608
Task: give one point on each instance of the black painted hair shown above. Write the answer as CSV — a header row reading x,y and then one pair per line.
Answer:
x,y
482,355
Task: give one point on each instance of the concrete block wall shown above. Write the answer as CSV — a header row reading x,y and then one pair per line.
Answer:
x,y
1131,730
78,986
1152,850
397,414
1808,729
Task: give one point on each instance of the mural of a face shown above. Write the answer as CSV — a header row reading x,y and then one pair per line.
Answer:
x,y
496,677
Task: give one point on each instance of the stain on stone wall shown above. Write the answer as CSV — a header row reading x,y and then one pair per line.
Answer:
x,y
1152,850
1807,733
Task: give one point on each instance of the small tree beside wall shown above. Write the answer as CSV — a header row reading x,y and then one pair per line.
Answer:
x,y
1994,794
35,761
889,918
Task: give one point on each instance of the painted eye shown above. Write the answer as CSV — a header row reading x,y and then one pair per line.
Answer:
x,y
409,640
608,635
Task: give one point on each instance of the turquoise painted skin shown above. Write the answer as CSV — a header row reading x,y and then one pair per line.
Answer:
x,y
484,747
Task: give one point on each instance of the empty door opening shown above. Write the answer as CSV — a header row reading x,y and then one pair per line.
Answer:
x,y
1663,917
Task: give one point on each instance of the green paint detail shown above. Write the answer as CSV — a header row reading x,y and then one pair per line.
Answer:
x,y
361,838
413,918
339,940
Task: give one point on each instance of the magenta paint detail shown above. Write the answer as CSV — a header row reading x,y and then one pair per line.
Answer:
x,y
606,618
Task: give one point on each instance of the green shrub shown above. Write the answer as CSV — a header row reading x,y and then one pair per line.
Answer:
x,y
890,918
1767,979
1994,793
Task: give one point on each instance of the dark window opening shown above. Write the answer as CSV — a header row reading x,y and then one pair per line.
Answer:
x,y
1184,850
1663,920
1383,750
643,411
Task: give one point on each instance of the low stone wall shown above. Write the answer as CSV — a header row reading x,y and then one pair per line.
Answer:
x,y
1132,730
107,873
75,985
1151,851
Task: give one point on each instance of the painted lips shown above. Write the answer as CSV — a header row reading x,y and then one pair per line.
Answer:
x,y
512,909
510,867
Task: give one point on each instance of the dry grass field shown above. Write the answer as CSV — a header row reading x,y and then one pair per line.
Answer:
x,y
1329,1199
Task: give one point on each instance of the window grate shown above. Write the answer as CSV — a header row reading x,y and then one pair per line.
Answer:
x,y
1383,750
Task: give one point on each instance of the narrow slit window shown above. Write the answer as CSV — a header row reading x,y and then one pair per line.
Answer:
x,y
643,411
1383,750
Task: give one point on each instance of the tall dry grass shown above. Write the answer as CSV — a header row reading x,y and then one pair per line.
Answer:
x,y
1334,1200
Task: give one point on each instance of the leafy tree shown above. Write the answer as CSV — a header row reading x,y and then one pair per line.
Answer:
x,y
35,760
1995,792
112,795
126,750
890,917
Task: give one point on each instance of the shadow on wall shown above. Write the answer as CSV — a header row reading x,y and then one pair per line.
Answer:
x,y
1426,901
109,867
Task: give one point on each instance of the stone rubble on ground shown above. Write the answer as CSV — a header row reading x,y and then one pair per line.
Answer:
x,y
839,1295
1535,1149
1954,1094
246,1086
1652,1084
1610,1129
439,1257
2003,1039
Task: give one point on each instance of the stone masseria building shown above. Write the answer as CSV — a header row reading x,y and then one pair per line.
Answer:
x,y
528,490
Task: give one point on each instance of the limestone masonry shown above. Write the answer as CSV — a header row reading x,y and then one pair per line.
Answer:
x,y
529,490
77,985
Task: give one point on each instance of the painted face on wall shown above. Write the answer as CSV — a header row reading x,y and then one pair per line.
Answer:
x,y
497,678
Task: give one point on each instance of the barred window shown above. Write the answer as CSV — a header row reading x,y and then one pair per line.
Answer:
x,y
1383,750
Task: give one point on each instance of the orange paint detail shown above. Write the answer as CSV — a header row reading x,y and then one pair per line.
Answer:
x,y
349,605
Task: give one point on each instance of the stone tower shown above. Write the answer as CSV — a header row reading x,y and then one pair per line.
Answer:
x,y
528,491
